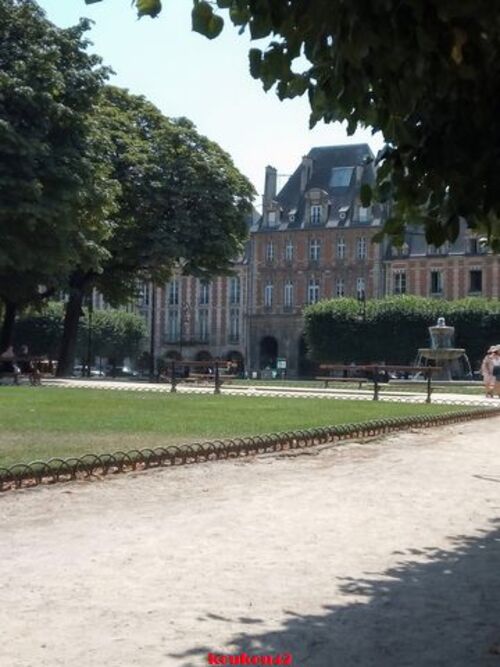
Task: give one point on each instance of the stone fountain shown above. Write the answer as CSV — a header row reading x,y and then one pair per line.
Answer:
x,y
453,361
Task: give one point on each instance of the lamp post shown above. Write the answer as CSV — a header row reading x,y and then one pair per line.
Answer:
x,y
362,304
152,339
90,310
183,324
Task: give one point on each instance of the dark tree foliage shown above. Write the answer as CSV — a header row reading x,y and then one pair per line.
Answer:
x,y
48,86
179,200
426,73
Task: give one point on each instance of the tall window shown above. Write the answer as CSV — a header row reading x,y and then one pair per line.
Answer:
x,y
173,326
340,287
475,281
341,248
288,294
314,250
315,215
288,251
144,295
173,292
234,290
204,295
436,282
365,214
203,324
268,295
270,251
360,288
399,282
361,248
234,325
313,291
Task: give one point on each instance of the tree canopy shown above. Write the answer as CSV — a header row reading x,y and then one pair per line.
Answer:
x,y
426,73
179,200
48,87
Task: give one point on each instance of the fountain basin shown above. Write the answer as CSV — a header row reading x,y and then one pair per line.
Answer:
x,y
441,354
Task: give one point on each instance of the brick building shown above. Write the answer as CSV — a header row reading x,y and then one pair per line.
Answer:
x,y
312,242
452,271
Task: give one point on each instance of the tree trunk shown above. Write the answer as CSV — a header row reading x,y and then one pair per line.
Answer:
x,y
72,316
9,319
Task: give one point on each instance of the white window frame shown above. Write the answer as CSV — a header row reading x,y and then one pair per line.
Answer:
x,y
313,291
268,294
340,287
234,325
270,251
288,294
174,291
203,324
314,250
289,250
316,214
235,290
341,248
399,285
361,248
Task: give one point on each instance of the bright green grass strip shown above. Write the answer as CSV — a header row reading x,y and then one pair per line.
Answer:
x,y
38,423
393,387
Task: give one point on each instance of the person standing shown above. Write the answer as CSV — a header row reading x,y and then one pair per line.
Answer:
x,y
496,370
487,372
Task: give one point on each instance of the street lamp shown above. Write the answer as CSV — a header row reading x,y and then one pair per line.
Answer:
x,y
362,304
90,310
184,324
152,340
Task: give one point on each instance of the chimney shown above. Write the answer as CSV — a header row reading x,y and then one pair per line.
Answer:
x,y
359,174
305,172
270,184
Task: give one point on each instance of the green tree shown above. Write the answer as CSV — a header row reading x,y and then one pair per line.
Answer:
x,y
426,73
115,335
180,201
48,86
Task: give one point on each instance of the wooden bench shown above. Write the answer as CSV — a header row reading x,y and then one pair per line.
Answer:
x,y
329,378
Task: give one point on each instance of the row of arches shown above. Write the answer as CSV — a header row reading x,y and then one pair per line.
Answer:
x,y
269,353
204,355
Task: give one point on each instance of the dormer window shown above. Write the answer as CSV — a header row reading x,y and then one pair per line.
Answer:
x,y
341,177
271,217
316,214
365,214
291,215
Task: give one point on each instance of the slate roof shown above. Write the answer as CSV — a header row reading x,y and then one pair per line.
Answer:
x,y
325,159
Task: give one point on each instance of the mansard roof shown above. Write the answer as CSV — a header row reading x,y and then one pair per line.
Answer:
x,y
337,172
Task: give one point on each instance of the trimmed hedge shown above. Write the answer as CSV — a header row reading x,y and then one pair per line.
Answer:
x,y
395,327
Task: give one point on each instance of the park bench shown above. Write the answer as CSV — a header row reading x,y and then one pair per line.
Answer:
x,y
328,379
205,372
377,373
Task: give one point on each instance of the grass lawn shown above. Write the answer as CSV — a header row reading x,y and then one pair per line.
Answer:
x,y
37,423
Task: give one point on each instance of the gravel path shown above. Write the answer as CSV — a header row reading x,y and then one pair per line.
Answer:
x,y
383,554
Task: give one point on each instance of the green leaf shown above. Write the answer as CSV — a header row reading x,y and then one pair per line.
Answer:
x,y
148,8
255,58
365,195
201,17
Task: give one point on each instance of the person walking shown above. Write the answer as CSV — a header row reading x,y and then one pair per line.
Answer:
x,y
496,371
487,372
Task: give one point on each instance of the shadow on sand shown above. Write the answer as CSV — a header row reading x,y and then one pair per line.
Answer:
x,y
442,610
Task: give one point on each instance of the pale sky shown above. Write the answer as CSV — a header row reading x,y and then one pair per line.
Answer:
x,y
185,74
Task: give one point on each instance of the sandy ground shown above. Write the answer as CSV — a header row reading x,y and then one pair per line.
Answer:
x,y
383,554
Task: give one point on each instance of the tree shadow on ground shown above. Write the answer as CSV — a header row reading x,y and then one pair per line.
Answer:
x,y
442,611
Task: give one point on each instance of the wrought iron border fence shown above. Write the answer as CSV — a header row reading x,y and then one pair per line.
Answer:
x,y
54,470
